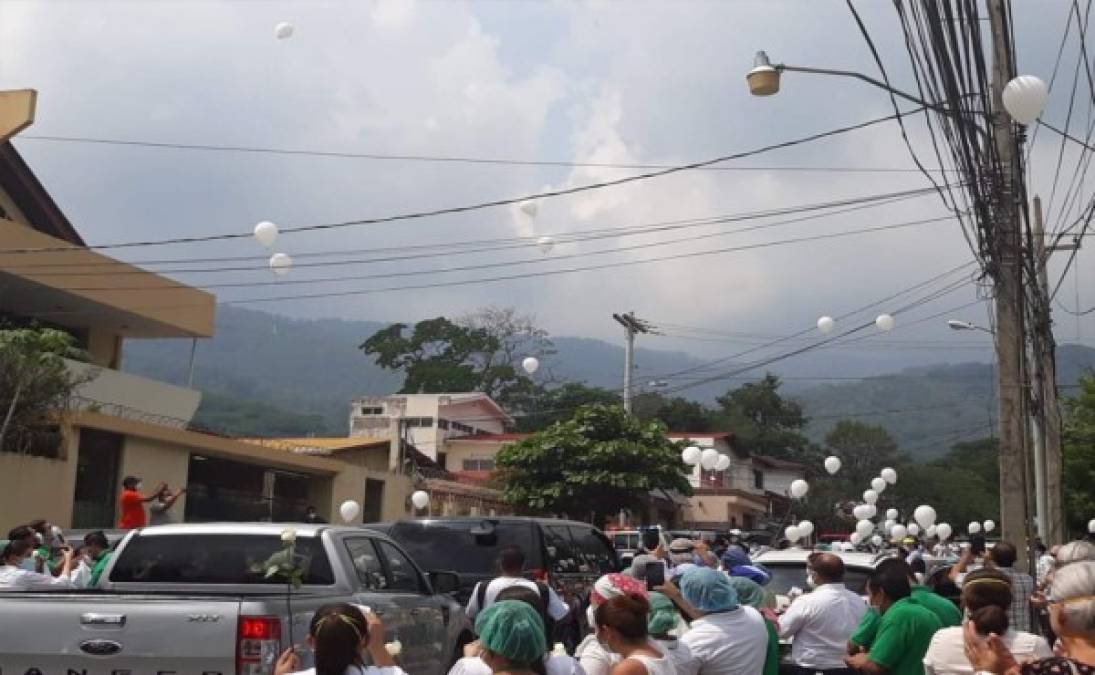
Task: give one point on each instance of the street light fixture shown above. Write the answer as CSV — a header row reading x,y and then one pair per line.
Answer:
x,y
956,324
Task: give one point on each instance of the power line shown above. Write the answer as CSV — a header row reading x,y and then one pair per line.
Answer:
x,y
481,205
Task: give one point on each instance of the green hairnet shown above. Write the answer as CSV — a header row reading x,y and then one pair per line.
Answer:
x,y
749,592
513,630
663,615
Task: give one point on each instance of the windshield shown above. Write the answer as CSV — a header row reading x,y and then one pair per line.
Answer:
x,y
625,541
219,559
432,545
788,575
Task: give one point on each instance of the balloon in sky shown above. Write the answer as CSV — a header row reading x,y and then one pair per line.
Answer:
x,y
891,514
878,484
888,525
930,533
826,324
913,529
988,526
870,496
876,540
943,531
861,511
349,510
709,458
884,322
691,455
854,538
284,30
864,528
974,527
531,364
924,515
1091,526
806,528
832,465
792,533
723,464
265,233
799,488
529,207
1024,98
545,244
280,263
888,475
420,499
899,531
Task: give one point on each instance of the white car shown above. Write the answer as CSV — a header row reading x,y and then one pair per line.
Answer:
x,y
788,570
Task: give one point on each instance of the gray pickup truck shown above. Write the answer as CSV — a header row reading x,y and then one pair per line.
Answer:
x,y
196,600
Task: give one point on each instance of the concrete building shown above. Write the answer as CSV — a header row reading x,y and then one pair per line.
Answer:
x,y
120,424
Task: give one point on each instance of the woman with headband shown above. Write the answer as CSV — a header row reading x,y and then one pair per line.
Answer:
x,y
986,597
337,635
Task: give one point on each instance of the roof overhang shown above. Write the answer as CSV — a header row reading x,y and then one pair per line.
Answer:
x,y
59,282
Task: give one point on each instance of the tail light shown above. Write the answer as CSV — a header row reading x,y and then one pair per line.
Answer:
x,y
258,644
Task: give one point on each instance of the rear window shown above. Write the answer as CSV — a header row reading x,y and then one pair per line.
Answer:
x,y
452,546
217,559
626,541
788,575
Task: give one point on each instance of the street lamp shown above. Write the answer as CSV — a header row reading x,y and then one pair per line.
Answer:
x,y
956,324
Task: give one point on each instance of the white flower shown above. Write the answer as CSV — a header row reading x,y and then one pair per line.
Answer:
x,y
394,648
288,535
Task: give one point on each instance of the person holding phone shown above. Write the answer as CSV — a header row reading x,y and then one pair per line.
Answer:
x,y
15,577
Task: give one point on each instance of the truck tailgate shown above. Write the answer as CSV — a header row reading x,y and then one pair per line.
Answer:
x,y
88,634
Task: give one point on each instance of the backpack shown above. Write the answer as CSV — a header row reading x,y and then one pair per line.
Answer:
x,y
545,598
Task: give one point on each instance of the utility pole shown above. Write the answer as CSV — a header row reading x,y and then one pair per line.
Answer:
x,y
1007,269
632,325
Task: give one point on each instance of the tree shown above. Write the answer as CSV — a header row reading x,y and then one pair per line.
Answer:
x,y
601,460
1078,448
35,385
863,449
559,403
764,422
678,414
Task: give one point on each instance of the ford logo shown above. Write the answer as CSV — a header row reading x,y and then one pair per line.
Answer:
x,y
100,647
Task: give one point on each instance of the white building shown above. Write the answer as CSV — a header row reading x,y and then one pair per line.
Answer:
x,y
427,421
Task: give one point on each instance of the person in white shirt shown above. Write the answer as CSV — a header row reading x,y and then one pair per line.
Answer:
x,y
337,635
15,577
621,626
725,638
591,653
821,622
986,597
511,562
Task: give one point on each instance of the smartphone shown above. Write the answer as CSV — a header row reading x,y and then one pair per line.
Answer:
x,y
655,575
651,537
977,544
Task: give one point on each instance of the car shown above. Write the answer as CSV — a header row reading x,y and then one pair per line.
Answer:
x,y
629,542
788,570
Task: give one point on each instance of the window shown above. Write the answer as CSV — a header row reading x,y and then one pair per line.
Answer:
x,y
372,410
418,422
432,544
478,465
231,559
442,423
366,563
401,572
443,460
595,554
560,549
758,479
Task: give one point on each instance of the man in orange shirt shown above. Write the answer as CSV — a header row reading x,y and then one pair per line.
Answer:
x,y
132,503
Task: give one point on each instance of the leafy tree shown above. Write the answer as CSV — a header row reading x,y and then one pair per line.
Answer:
x,y
35,385
863,449
1078,448
559,403
245,417
599,461
765,422
678,414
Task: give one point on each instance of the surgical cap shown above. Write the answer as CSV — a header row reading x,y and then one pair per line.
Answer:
x,y
749,592
612,585
663,615
708,590
734,557
513,630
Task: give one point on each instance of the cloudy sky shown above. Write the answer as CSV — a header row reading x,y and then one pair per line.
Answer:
x,y
568,82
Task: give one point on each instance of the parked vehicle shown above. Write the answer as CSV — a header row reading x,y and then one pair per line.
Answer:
x,y
198,599
788,570
567,554
629,542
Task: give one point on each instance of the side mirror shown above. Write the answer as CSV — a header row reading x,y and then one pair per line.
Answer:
x,y
444,582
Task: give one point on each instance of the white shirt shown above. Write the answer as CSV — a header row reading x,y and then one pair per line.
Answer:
x,y
553,664
821,623
361,670
662,665
594,658
17,579
556,609
680,656
729,643
946,654
1046,563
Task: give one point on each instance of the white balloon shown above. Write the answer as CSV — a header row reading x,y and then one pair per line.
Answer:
x,y
723,464
284,30
349,510
891,514
854,538
792,533
545,244
878,484
974,527
832,465
826,324
888,525
531,364
1025,98
280,263
861,511
864,528
872,510
1091,526
799,488
924,515
888,475
420,499
265,233
943,531
988,526
709,458
913,529
870,496
530,207
930,533
691,455
898,532
884,322
876,540
806,528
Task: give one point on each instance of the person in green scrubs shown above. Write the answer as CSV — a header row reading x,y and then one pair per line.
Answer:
x,y
945,610
904,631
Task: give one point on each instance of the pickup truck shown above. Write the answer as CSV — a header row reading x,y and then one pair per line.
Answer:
x,y
196,599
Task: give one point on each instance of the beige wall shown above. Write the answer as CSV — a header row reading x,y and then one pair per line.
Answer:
x,y
104,347
137,393
36,487
362,465
718,509
457,451
155,461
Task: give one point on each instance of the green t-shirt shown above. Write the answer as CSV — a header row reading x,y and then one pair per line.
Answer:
x,y
771,660
945,610
904,633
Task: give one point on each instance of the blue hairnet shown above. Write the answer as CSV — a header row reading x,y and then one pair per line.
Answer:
x,y
708,590
734,557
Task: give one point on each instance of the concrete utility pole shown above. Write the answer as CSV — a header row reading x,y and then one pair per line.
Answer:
x,y
1008,278
632,325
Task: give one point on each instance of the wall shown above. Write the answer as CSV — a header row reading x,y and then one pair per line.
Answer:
x,y
104,347
36,487
716,510
456,451
779,480
13,212
155,461
153,398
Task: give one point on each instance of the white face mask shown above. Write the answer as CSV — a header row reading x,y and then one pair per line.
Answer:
x,y
27,564
811,580
138,487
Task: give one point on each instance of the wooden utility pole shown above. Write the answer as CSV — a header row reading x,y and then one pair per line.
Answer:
x,y
1007,272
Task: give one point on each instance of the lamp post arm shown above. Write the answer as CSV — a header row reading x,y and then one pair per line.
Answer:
x,y
860,76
